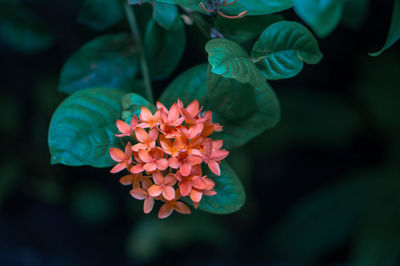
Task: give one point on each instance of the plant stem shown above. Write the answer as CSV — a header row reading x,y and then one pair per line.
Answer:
x,y
130,14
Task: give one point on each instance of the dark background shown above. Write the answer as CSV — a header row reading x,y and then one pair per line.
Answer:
x,y
322,187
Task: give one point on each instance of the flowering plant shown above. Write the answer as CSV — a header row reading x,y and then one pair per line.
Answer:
x,y
111,118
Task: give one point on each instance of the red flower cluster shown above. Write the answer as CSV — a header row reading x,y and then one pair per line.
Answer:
x,y
171,146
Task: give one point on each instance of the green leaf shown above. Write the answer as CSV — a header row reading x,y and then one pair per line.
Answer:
x,y
266,115
230,60
82,128
164,49
323,16
229,98
355,13
165,14
253,7
132,104
23,30
394,31
100,14
282,48
230,195
188,86
108,61
244,29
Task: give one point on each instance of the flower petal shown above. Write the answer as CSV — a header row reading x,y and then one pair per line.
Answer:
x,y
193,160
126,180
170,180
118,168
136,169
181,207
145,156
195,195
154,190
158,178
219,155
138,193
148,205
173,113
165,211
174,163
123,127
214,167
141,134
195,130
185,188
168,193
185,169
162,164
145,114
117,155
153,134
150,167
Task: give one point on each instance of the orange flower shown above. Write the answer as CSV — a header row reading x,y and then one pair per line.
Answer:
x,y
142,194
172,205
147,118
125,129
163,185
172,145
146,140
213,155
124,159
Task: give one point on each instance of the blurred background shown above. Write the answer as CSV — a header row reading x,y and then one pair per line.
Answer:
x,y
323,187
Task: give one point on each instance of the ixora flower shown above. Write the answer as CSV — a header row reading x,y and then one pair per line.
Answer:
x,y
164,162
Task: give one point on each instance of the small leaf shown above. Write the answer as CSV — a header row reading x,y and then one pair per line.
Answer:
x,y
322,16
23,30
164,49
132,104
282,48
165,14
244,29
230,98
188,86
83,126
109,61
394,31
230,60
230,195
100,14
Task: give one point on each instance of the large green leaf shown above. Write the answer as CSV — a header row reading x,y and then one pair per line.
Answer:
x,y
322,16
253,7
230,60
188,86
100,14
394,31
83,126
108,61
244,29
282,48
23,30
265,115
164,49
230,98
230,195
